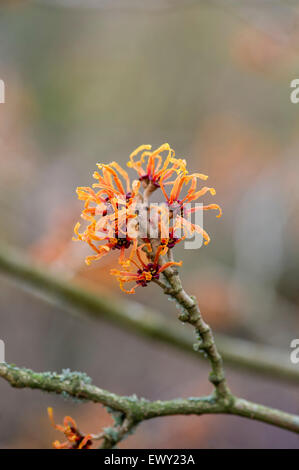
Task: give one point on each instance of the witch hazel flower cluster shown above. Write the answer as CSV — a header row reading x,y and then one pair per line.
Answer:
x,y
119,216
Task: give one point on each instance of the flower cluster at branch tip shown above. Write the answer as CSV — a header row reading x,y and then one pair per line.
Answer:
x,y
112,208
75,440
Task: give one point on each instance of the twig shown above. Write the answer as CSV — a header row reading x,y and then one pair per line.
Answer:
x,y
191,314
116,434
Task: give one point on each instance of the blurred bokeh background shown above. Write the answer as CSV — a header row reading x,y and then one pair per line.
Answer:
x,y
89,81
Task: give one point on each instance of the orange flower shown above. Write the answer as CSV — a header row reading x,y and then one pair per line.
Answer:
x,y
171,240
146,271
178,207
110,183
150,166
75,440
108,212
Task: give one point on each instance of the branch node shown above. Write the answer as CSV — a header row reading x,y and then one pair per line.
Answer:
x,y
184,317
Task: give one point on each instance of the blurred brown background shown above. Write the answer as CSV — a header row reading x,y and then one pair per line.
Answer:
x,y
89,81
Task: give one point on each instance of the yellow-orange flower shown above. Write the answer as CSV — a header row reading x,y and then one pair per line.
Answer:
x,y
108,211
74,439
147,270
151,166
177,206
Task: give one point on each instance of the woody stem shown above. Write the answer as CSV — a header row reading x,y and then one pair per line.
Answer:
x,y
119,433
191,314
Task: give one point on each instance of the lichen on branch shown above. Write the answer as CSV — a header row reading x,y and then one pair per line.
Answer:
x,y
131,410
